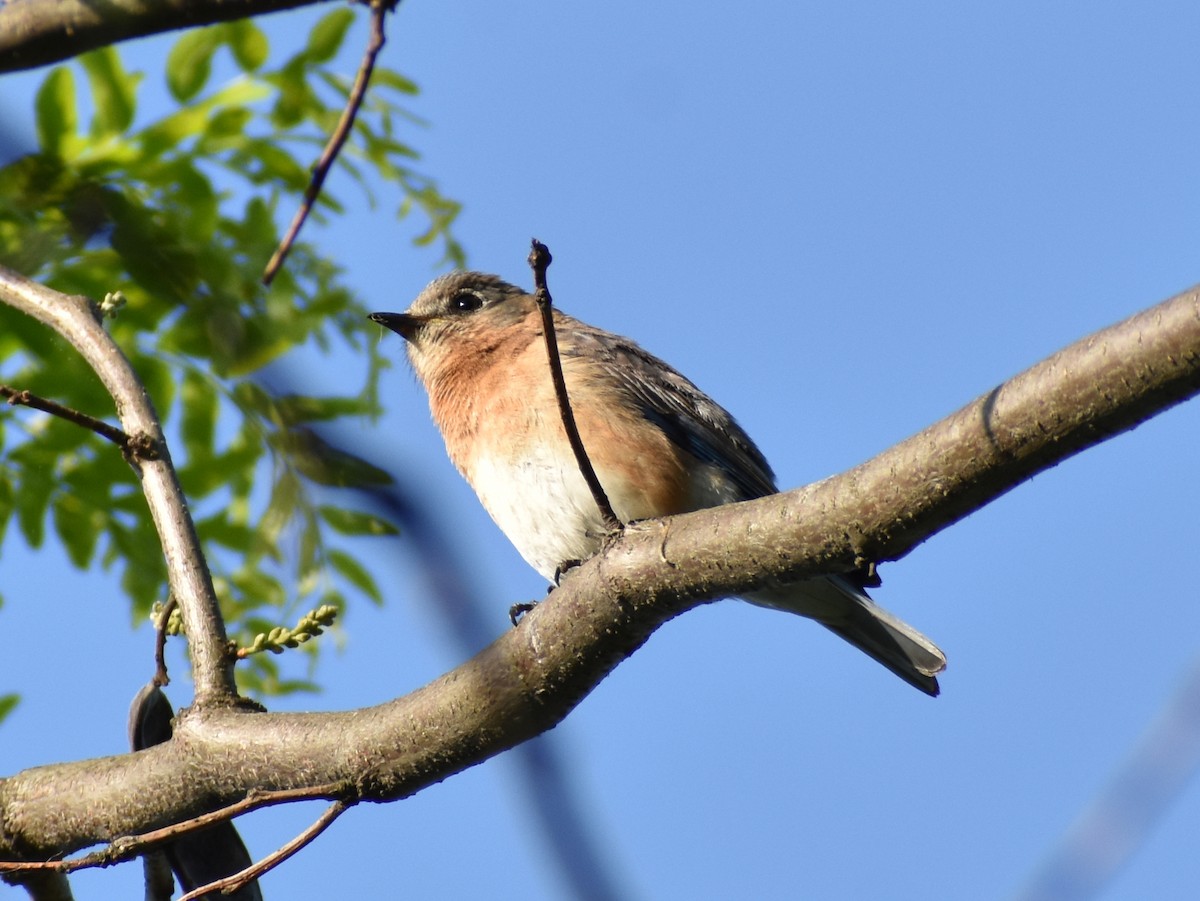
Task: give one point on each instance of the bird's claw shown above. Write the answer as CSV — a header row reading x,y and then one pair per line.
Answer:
x,y
562,569
516,611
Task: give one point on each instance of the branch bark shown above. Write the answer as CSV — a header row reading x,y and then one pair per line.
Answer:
x,y
38,32
78,320
531,677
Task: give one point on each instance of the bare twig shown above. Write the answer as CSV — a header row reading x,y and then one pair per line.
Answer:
x,y
130,846
379,8
139,447
539,261
268,863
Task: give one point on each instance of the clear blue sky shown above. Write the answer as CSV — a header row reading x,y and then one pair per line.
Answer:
x,y
844,221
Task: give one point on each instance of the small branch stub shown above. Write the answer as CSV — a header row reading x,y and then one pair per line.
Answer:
x,y
134,447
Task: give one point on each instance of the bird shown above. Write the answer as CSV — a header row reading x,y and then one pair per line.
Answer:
x,y
658,444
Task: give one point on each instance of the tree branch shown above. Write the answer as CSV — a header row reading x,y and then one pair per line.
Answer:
x,y
83,420
77,320
37,32
531,677
379,10
275,858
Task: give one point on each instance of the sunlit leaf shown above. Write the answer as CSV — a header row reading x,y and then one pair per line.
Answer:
x,y
248,43
191,121
389,78
77,528
356,574
113,92
55,104
260,587
327,35
180,216
190,61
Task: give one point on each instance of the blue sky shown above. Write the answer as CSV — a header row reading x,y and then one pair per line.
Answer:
x,y
843,221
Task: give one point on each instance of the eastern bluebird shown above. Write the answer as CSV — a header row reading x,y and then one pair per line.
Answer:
x,y
658,444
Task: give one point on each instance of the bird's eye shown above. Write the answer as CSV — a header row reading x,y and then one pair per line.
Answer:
x,y
466,302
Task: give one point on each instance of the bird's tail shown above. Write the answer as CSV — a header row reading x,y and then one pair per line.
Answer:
x,y
849,612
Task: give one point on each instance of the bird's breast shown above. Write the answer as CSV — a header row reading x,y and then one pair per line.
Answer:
x,y
506,437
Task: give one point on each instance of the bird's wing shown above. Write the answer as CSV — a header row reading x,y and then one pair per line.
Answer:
x,y
686,415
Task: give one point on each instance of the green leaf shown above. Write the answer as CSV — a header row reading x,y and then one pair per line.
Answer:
x,y
204,475
190,61
355,522
220,530
192,120
77,527
248,43
8,703
180,216
226,125
55,104
145,576
297,408
113,92
32,497
253,396
326,37
6,503
258,587
160,382
356,574
277,163
307,563
286,496
390,78
200,405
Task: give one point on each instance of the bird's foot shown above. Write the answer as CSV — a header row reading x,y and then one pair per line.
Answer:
x,y
562,569
516,611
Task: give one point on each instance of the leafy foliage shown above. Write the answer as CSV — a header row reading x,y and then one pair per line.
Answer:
x,y
180,215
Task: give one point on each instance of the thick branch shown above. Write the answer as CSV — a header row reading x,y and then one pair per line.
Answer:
x,y
38,32
531,677
77,320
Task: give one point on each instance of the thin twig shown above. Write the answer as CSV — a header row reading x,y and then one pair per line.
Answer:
x,y
128,847
129,445
160,643
379,8
539,261
268,863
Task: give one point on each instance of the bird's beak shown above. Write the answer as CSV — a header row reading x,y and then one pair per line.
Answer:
x,y
401,323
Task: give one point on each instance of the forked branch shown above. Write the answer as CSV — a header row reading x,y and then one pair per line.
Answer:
x,y
78,321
